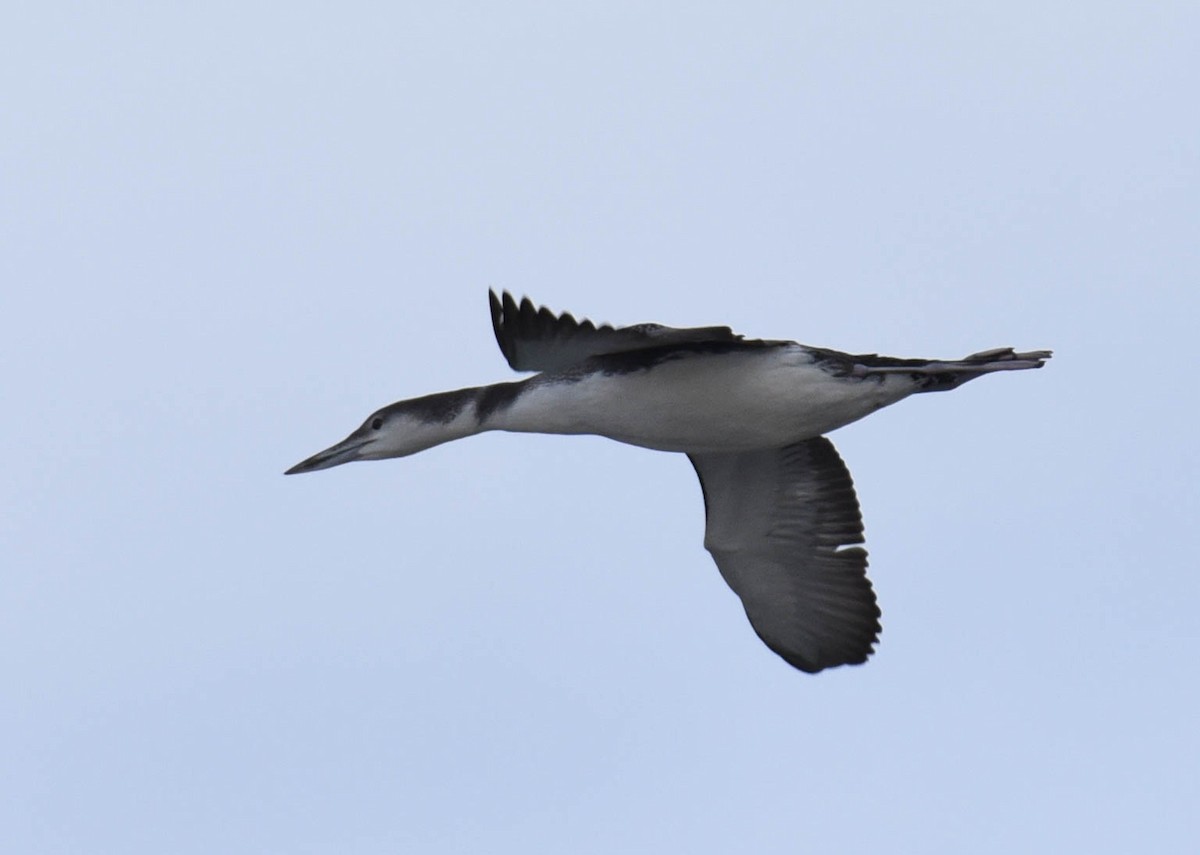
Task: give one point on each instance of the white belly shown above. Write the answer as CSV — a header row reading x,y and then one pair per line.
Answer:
x,y
705,403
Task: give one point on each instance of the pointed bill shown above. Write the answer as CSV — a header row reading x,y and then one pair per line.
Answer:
x,y
346,451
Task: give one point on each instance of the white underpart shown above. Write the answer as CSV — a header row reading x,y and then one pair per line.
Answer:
x,y
704,403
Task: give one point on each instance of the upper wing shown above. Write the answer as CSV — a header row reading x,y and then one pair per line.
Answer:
x,y
534,339
778,520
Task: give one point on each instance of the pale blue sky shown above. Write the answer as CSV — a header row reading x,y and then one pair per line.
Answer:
x,y
229,231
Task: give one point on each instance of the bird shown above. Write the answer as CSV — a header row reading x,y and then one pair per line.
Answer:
x,y
782,520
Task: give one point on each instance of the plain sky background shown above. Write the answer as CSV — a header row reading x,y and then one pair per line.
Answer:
x,y
229,231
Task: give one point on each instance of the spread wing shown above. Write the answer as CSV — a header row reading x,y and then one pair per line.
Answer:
x,y
535,339
780,524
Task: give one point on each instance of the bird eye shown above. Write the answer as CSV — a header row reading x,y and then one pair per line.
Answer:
x,y
376,423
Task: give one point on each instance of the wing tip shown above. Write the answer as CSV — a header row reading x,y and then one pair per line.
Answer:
x,y
851,654
498,307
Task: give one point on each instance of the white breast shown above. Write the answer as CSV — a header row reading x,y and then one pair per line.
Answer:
x,y
704,402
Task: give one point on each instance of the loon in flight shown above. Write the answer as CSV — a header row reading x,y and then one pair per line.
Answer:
x,y
783,522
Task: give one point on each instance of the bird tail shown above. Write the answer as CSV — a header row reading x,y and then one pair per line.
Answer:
x,y
942,375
